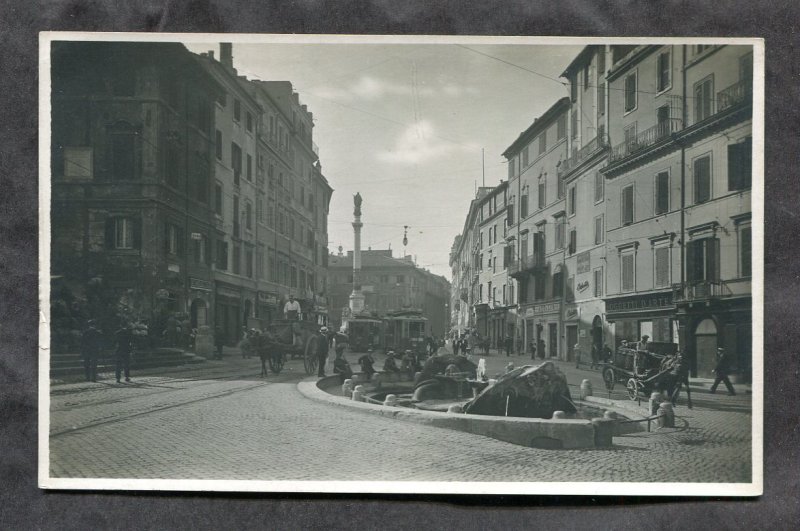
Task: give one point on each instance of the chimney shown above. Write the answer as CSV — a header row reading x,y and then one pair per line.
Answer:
x,y
226,54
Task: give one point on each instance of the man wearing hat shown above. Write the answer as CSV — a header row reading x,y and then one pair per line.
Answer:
x,y
322,351
721,370
90,349
390,365
124,339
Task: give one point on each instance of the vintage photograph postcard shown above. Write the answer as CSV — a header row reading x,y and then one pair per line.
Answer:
x,y
401,264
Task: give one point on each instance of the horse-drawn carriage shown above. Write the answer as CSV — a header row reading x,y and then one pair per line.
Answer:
x,y
295,338
642,371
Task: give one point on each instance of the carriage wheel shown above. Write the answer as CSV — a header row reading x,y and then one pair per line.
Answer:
x,y
310,355
276,362
633,388
609,378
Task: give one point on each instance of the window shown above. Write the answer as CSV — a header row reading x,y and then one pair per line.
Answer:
x,y
249,122
740,165
490,293
542,192
543,142
574,123
598,229
511,172
222,255
598,282
558,284
505,289
661,260
573,241
237,259
573,89
561,127
630,135
237,110
702,179
218,199
480,292
201,255
627,264
249,168
123,154
601,100
571,200
523,206
236,220
702,260
570,291
662,119
173,240
561,227
218,145
248,257
236,162
260,264
598,187
630,92
495,233
525,157
248,215
745,252
259,210
703,99
662,193
123,233
663,71
627,205
401,279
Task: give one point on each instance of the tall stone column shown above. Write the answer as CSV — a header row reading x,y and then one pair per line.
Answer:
x,y
356,297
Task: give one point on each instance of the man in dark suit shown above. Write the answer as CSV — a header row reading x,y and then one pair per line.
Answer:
x,y
721,370
322,351
124,339
91,342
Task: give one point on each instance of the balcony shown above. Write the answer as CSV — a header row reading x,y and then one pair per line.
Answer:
x,y
645,139
526,265
739,92
592,147
704,290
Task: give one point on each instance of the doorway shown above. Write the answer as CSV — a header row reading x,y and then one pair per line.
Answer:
x,y
198,313
553,343
705,348
572,340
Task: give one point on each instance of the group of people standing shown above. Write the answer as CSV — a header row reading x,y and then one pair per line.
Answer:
x,y
92,343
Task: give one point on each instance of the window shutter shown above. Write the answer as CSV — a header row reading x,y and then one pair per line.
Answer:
x,y
573,236
735,168
662,193
712,251
137,233
598,230
691,260
627,205
598,186
110,226
662,266
746,252
627,272
702,180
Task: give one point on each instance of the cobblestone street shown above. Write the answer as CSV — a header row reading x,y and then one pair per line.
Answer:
x,y
220,420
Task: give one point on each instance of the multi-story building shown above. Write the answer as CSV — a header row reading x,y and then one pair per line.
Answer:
x,y
271,201
538,226
132,173
389,285
585,261
678,198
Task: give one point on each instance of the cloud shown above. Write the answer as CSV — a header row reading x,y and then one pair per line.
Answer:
x,y
418,143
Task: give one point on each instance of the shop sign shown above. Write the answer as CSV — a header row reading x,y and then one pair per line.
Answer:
x,y
199,284
584,262
529,312
572,313
545,308
652,302
583,286
267,298
227,292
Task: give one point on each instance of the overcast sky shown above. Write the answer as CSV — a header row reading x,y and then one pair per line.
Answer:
x,y
404,125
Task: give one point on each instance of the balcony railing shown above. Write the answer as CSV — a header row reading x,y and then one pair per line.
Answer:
x,y
737,93
597,143
701,290
645,139
526,264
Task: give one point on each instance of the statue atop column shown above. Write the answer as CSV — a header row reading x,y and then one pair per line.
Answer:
x,y
357,203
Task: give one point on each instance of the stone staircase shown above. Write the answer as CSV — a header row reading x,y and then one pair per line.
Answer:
x,y
63,364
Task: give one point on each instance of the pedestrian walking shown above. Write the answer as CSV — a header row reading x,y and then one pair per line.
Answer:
x,y
721,370
540,347
322,351
532,348
91,342
123,351
595,355
509,344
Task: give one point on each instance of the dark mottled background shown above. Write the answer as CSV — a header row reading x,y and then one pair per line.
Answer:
x,y
23,505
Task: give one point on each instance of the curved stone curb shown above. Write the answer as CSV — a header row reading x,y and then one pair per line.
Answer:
x,y
539,433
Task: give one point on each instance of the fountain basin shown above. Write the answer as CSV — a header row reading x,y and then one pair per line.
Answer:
x,y
567,433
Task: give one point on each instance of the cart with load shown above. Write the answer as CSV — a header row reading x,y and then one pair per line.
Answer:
x,y
642,371
298,339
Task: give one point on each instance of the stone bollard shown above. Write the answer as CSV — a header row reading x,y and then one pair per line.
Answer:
x,y
559,415
586,389
455,408
666,415
655,400
358,393
390,400
347,388
603,432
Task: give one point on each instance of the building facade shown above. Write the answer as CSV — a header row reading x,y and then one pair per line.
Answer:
x,y
389,284
132,172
